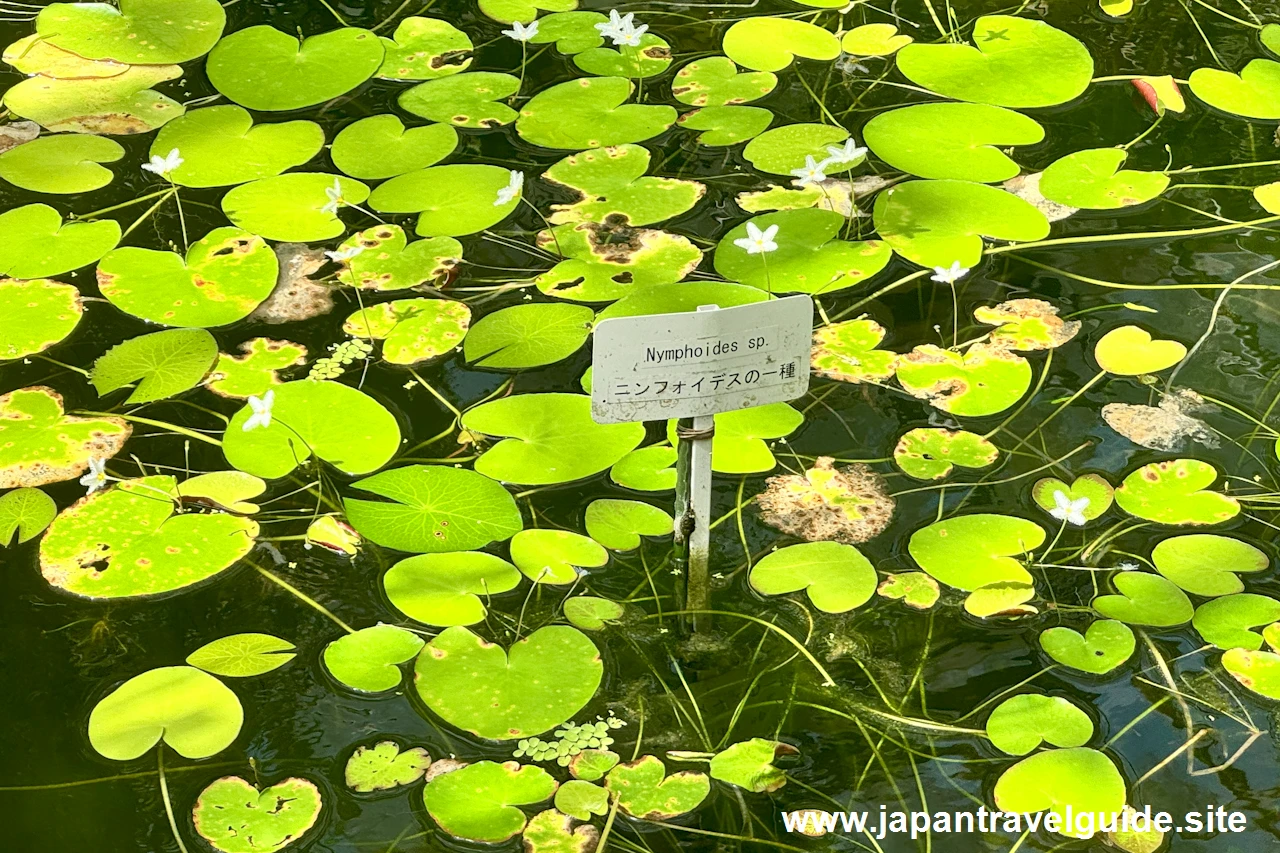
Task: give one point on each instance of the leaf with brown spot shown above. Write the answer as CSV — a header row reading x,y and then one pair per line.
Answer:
x,y
39,444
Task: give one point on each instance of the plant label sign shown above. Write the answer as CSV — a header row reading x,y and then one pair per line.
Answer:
x,y
693,364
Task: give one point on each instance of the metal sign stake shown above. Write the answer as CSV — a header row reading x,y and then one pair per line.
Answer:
x,y
693,515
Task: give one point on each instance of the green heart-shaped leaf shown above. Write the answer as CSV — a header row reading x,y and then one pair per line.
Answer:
x,y
368,660
529,335
915,589
445,589
1131,351
265,69
644,790
716,82
1016,62
1079,779
242,655
1175,492
1206,564
1020,724
590,113
253,373
836,577
234,817
194,713
380,147
126,541
1105,645
554,556
412,330
1093,179
40,445
727,125
139,32
424,49
1258,671
524,11
971,551
648,469
27,512
590,613
1253,93
451,200
434,509
162,364
618,525
932,453
600,269
384,259
847,352
122,104
782,149
37,315
749,765
1145,599
874,40
647,59
34,242
479,802
960,141
771,44
1226,622
610,183
298,206
61,165
740,445
383,766
550,675
982,381
1093,489
220,146
1003,598
225,275
472,100
577,798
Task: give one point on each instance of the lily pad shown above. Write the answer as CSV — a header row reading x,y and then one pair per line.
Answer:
x,y
836,577
937,223
39,444
677,298
34,242
242,655
224,276
1131,351
943,140
644,790
37,314
648,469
193,712
808,259
1253,93
1176,492
368,660
163,364
1145,599
611,183
446,589
972,551
384,766
580,799
554,556
874,40
424,49
235,817
1092,488
122,104
1027,324
749,765
571,32
1226,622
473,685
62,165
255,372
524,11
982,381
1001,599
1256,670
296,207
412,330
618,524
27,512
1206,564
474,99
915,589
139,32
220,146
932,453
847,352
590,613
384,259
606,264
1105,645
716,82
265,69
380,147
650,57
740,444
592,764
480,802
1020,724
433,509
1082,779
590,113
302,425
547,438
530,335
1093,179
771,44
782,149
450,200
225,491
1016,62
727,125
126,541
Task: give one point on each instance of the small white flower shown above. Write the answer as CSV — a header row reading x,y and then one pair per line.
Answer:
x,y
810,173
344,254
758,241
951,274
334,194
614,27
520,32
511,190
261,416
631,35
96,478
846,153
162,166
1070,511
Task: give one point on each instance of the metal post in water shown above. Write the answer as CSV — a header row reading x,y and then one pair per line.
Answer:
x,y
693,515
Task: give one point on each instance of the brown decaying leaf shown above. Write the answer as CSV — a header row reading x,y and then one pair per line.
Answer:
x,y
1167,427
828,504
296,296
